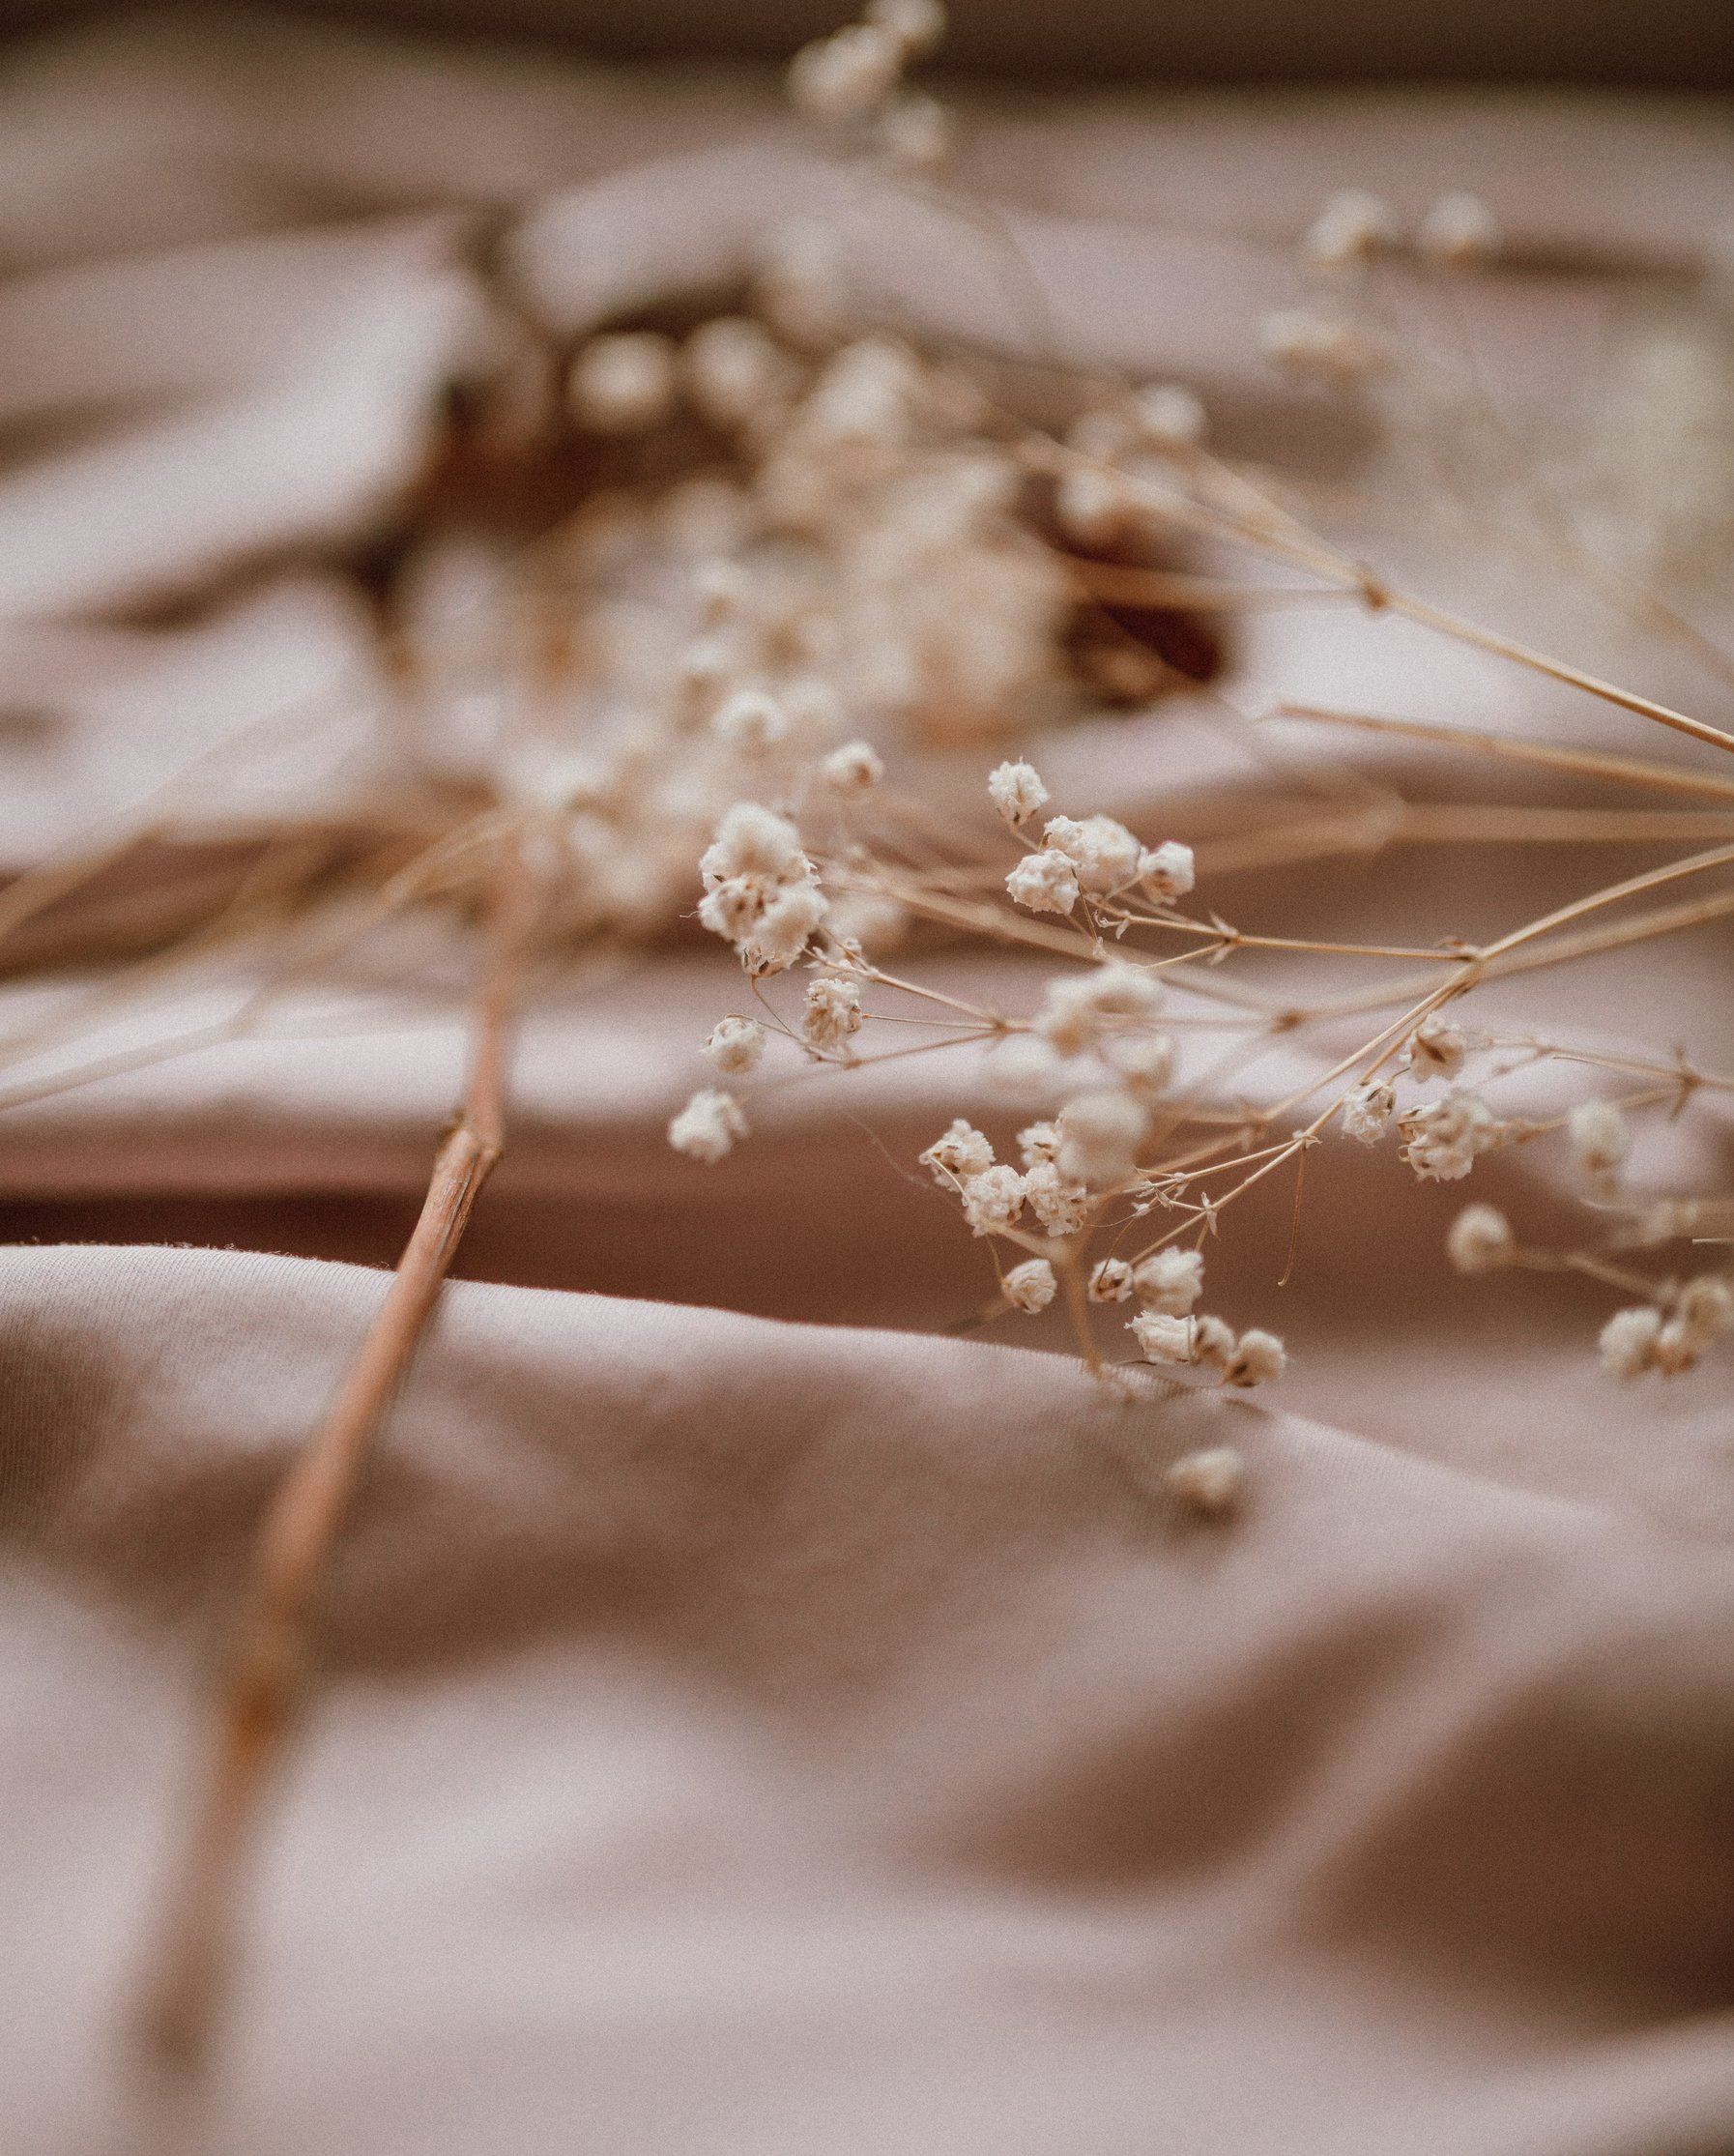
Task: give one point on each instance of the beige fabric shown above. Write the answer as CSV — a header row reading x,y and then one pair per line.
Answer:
x,y
745,1736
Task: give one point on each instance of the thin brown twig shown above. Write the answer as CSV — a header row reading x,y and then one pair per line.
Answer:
x,y
257,1705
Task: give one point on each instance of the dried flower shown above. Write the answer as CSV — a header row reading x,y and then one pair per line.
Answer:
x,y
1169,1280
1367,1110
1040,1140
1099,1136
733,370
736,1045
1061,1207
1353,225
1210,1481
1170,415
1212,1342
916,25
1629,1342
1046,883
1110,1281
856,768
1017,792
1161,1338
834,1012
1259,1358
1145,1063
1443,1139
1457,231
1103,852
707,1126
1031,1286
1166,871
1436,1049
624,383
1600,1136
993,1200
1077,1010
844,75
750,721
963,1151
1481,1240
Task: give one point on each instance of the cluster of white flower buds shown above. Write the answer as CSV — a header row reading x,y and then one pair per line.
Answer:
x,y
1117,453
855,75
1645,1338
1092,856
761,893
1456,231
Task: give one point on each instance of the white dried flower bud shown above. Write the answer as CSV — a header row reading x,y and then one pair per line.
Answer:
x,y
1170,415
1457,231
1367,1111
963,1151
1031,1286
832,1015
1677,1349
781,933
1629,1342
707,1126
1143,1062
1079,1009
1259,1358
1160,1338
1099,1136
1103,852
749,721
844,75
1045,882
1061,1207
1017,792
752,840
1210,1481
1023,1068
1040,1140
993,1200
1705,1308
1093,505
1353,225
622,384
1443,1139
1168,870
1600,1137
1436,1049
916,134
729,909
917,25
1111,1281
1481,1240
736,1045
734,371
1320,344
856,768
865,397
1169,1280
1212,1342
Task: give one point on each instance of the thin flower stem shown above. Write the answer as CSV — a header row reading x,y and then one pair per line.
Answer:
x,y
258,1705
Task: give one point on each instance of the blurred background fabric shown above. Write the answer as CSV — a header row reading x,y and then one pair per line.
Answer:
x,y
744,1735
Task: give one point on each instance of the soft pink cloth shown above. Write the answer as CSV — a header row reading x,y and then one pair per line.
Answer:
x,y
742,1738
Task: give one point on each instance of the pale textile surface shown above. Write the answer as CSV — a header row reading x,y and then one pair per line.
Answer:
x,y
748,1733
